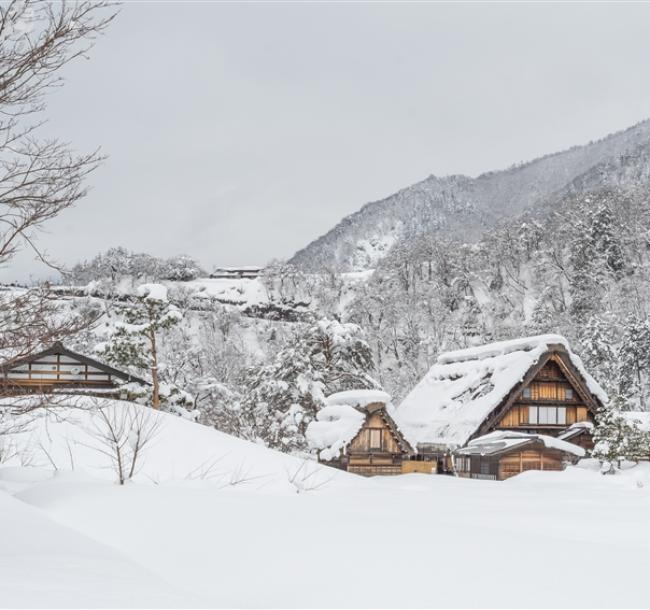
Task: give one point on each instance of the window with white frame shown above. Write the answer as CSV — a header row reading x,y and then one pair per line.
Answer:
x,y
547,415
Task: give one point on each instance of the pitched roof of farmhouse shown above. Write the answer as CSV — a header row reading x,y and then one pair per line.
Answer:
x,y
465,387
60,349
343,416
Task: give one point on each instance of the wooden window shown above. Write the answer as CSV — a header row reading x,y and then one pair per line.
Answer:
x,y
375,438
547,415
568,393
526,393
544,391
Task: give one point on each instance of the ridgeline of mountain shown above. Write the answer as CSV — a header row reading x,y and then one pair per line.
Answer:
x,y
464,207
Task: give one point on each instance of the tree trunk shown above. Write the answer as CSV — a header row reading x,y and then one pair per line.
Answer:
x,y
155,398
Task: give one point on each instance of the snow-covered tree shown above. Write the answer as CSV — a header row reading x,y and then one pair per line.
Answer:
x,y
135,341
634,360
617,438
285,395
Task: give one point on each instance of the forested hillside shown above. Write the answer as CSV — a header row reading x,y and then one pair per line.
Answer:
x,y
461,207
256,357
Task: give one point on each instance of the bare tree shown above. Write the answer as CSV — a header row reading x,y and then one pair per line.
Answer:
x,y
39,179
123,433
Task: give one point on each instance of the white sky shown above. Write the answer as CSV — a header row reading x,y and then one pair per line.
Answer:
x,y
240,132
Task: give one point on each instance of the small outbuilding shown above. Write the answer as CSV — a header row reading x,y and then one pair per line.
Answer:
x,y
356,432
500,455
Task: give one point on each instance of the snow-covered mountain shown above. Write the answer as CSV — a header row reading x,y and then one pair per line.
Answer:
x,y
463,206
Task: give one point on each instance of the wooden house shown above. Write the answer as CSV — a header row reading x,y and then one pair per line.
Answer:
x,y
60,370
500,455
533,386
356,432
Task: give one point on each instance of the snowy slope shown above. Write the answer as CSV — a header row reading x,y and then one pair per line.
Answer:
x,y
180,450
243,548
465,206
169,539
47,565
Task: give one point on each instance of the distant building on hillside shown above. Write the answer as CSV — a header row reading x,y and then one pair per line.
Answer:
x,y
236,273
535,390
356,432
58,370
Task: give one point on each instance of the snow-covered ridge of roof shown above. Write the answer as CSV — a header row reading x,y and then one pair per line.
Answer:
x,y
459,392
358,398
500,348
502,439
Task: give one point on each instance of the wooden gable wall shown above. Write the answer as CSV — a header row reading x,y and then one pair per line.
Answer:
x,y
375,436
549,400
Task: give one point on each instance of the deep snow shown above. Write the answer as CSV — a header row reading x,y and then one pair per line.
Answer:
x,y
541,539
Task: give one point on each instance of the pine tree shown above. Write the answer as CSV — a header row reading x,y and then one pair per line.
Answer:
x,y
135,341
634,360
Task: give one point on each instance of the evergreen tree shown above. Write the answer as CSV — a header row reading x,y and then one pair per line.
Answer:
x,y
135,341
617,438
634,360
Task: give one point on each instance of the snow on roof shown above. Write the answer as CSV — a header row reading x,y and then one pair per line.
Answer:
x,y
500,440
465,386
358,398
334,427
341,419
574,429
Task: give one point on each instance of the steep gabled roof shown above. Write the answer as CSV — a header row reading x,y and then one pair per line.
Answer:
x,y
466,391
338,423
58,348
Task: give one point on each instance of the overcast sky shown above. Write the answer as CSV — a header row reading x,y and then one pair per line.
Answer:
x,y
238,133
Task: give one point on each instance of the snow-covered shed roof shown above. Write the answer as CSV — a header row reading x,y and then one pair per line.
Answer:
x,y
502,441
465,386
340,420
575,429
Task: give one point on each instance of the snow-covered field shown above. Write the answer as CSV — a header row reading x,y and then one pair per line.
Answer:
x,y
186,533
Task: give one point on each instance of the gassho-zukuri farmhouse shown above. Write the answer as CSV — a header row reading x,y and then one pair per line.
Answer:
x,y
487,412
